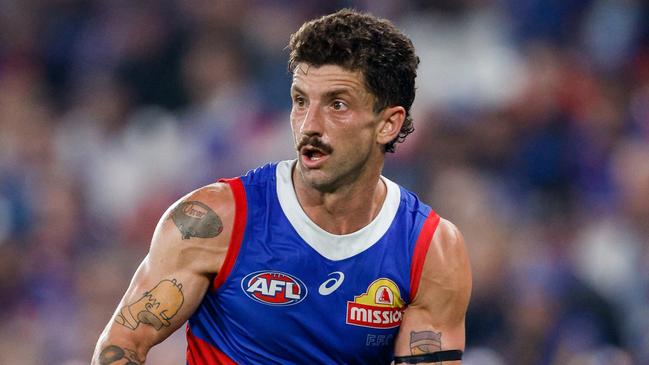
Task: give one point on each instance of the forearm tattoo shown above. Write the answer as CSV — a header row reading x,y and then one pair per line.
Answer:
x,y
111,354
196,219
425,342
156,307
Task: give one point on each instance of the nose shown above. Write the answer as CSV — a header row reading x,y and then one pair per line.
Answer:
x,y
312,122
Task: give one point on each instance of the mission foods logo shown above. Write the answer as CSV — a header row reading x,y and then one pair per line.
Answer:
x,y
380,307
274,288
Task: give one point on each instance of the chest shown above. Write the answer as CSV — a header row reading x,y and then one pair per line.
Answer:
x,y
288,294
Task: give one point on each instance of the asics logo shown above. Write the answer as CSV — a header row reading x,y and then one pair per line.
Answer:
x,y
330,285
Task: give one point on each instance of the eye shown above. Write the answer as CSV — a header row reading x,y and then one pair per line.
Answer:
x,y
339,105
299,101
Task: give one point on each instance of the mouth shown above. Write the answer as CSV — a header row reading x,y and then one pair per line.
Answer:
x,y
312,153
313,157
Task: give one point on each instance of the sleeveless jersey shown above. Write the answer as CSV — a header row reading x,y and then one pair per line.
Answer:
x,y
291,293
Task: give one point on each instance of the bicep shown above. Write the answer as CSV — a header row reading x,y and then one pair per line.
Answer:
x,y
435,320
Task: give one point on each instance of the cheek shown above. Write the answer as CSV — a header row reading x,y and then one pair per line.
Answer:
x,y
354,140
292,119
295,125
296,117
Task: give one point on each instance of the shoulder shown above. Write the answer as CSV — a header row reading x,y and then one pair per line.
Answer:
x,y
446,275
447,244
217,197
195,231
201,213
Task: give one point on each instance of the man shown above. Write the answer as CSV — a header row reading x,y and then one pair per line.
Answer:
x,y
320,260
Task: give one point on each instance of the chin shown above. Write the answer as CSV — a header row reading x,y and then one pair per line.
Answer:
x,y
316,179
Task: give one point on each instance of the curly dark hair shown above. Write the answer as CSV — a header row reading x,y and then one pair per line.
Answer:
x,y
361,42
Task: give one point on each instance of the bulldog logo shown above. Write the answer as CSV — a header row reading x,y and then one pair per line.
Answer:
x,y
380,306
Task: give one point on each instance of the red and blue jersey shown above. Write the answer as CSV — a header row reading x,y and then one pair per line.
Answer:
x,y
291,293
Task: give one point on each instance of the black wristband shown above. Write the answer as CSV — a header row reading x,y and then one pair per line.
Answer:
x,y
448,355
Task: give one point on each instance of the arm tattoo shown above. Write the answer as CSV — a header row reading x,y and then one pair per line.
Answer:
x,y
425,342
112,353
196,219
156,307
426,347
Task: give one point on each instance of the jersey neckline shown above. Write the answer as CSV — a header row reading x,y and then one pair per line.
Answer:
x,y
332,246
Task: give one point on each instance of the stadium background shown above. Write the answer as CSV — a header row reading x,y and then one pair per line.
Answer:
x,y
532,121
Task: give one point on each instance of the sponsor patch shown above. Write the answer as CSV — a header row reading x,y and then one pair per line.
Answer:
x,y
380,306
274,288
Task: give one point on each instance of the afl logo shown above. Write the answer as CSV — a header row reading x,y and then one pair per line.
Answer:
x,y
273,288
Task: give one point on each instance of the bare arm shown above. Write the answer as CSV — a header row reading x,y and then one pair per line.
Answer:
x,y
434,321
188,247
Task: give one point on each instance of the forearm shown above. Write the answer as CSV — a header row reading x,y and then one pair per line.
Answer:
x,y
139,324
143,319
114,347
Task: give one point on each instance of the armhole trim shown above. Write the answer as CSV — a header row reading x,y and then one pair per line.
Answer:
x,y
201,352
421,248
238,229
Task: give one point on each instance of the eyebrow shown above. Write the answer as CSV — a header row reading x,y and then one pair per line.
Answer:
x,y
296,89
328,95
336,92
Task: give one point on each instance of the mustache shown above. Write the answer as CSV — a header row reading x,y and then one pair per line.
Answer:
x,y
315,142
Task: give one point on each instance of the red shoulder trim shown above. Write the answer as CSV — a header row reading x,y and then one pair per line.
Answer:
x,y
238,228
421,248
200,352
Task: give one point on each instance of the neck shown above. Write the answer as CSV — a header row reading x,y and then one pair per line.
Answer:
x,y
346,209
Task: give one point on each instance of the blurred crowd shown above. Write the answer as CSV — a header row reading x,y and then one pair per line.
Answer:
x,y
532,135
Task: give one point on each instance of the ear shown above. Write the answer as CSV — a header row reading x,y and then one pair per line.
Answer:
x,y
391,121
